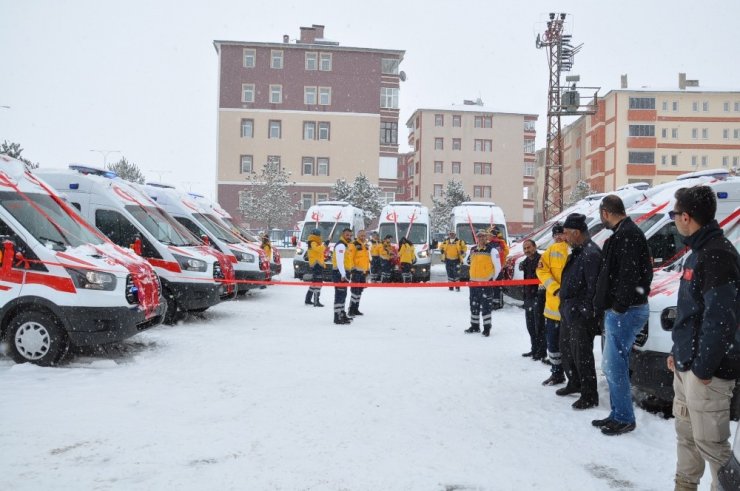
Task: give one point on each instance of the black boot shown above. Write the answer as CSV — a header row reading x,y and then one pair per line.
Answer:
x,y
338,319
316,302
354,309
486,330
344,317
309,297
472,329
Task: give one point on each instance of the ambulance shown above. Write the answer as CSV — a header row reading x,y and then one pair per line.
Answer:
x,y
62,283
471,216
409,219
331,217
249,261
194,276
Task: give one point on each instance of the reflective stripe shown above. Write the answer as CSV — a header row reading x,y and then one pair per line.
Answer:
x,y
548,282
556,254
554,313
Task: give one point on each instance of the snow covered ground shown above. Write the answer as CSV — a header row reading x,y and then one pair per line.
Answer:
x,y
265,393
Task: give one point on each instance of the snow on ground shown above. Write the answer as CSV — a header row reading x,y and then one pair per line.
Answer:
x,y
265,393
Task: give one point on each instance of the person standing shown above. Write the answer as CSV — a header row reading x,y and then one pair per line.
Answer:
x,y
484,266
387,254
498,241
549,271
406,257
453,251
580,324
342,263
376,247
622,291
534,303
705,358
360,258
316,264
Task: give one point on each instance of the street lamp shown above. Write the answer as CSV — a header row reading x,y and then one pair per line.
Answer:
x,y
105,154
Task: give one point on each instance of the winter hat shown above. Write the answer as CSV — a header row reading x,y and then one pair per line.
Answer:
x,y
316,231
557,228
576,221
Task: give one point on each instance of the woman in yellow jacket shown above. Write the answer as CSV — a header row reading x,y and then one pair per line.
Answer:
x,y
406,257
549,272
316,265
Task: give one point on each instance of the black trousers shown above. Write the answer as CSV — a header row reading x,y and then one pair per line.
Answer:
x,y
577,350
534,309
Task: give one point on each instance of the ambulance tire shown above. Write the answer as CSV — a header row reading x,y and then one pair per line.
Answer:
x,y
38,331
174,313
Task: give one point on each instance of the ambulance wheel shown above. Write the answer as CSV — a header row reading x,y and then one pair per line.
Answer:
x,y
36,337
174,313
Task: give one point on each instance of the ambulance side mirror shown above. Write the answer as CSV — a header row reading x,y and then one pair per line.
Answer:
x,y
8,252
294,241
137,245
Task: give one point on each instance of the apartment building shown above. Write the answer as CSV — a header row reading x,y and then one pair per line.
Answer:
x,y
652,135
321,110
491,153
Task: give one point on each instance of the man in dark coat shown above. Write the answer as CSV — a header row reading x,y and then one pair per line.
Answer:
x,y
621,291
705,358
580,322
534,303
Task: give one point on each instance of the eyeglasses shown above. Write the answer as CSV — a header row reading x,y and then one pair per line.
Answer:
x,y
674,213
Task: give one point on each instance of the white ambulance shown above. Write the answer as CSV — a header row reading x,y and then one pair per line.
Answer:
x,y
194,276
63,283
469,217
331,217
249,261
409,219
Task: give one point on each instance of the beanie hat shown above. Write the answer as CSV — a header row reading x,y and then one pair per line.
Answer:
x,y
576,221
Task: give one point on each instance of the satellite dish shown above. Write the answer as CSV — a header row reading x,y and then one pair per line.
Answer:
x,y
402,76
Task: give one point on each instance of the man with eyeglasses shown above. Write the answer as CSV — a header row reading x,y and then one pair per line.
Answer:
x,y
622,290
705,358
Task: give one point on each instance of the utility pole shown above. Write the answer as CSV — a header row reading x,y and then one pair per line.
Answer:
x,y
561,101
105,154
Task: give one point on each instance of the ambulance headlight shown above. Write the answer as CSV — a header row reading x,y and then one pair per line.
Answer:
x,y
190,264
92,280
243,257
423,254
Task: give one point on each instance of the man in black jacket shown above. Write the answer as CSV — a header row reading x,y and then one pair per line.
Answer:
x,y
621,291
705,358
580,323
534,303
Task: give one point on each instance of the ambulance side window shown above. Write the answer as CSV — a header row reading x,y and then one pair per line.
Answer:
x,y
665,243
190,225
20,246
120,231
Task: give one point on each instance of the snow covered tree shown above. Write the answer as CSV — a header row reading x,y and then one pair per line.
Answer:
x,y
360,193
127,170
453,195
266,198
14,150
581,190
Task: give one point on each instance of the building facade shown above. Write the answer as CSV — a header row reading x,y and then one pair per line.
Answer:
x,y
491,153
652,136
322,111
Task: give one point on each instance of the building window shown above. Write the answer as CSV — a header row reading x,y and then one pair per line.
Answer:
x,y
726,107
704,133
481,191
665,105
388,133
276,94
245,164
529,125
664,160
456,144
483,121
664,132
322,197
528,145
482,168
324,96
693,160
389,98
437,190
456,121
273,161
248,57
737,106
322,166
309,95
312,60
276,58
726,133
306,201
389,66
735,161
247,92
438,167
674,132
325,62
675,105
456,167
439,144
705,106
439,120
642,130
309,130
694,133
641,158
247,128
275,129
529,169
725,161
324,130
307,167
642,102
674,159
736,133
704,160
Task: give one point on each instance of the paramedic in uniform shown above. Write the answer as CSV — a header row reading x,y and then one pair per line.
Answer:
x,y
316,264
484,266
453,251
342,263
360,259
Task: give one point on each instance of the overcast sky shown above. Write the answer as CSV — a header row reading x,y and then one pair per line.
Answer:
x,y
141,76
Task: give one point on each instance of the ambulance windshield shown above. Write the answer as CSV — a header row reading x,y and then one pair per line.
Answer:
x,y
162,226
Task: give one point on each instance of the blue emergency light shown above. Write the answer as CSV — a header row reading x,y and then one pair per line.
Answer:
x,y
722,195
74,185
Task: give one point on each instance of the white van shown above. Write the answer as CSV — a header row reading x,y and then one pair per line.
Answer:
x,y
650,377
63,283
250,261
409,219
194,276
469,217
331,217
